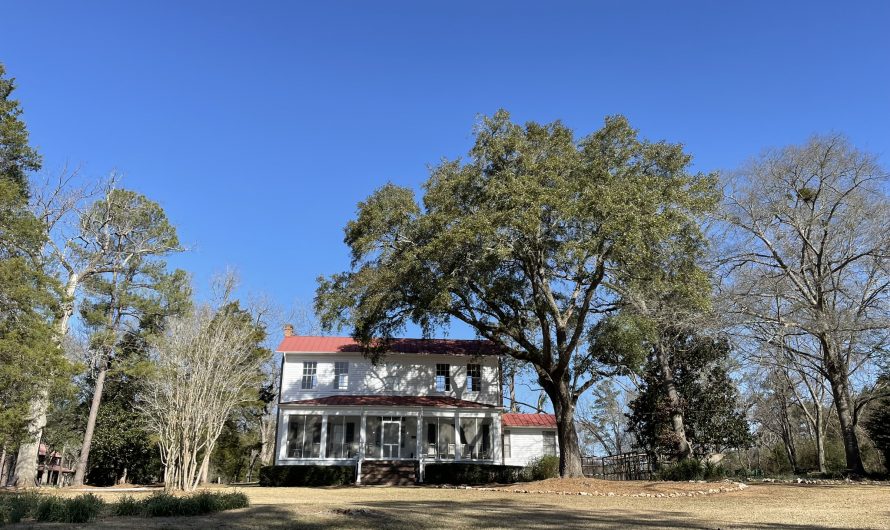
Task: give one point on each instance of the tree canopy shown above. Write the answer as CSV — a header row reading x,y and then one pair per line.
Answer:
x,y
527,242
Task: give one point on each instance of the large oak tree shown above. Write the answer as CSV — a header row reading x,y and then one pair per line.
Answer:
x,y
525,242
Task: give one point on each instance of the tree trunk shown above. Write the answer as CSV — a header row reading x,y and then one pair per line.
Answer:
x,y
25,473
842,402
667,374
820,438
3,467
81,470
840,389
564,409
26,461
205,468
513,406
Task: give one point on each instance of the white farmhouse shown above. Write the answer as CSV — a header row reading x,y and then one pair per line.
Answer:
x,y
429,400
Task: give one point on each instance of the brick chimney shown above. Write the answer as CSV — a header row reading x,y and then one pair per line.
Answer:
x,y
288,330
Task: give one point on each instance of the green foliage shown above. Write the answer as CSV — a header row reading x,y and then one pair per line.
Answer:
x,y
18,506
127,506
122,444
692,469
307,475
526,242
471,474
877,425
710,405
542,468
29,296
17,158
165,505
686,469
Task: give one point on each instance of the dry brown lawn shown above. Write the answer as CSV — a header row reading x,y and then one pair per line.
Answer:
x,y
771,506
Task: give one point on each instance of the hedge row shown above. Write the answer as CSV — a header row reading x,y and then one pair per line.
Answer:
x,y
465,473
307,475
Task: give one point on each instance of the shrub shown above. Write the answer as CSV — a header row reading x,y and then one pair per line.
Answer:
x,y
50,509
163,504
687,469
16,506
126,506
461,473
83,508
542,468
306,475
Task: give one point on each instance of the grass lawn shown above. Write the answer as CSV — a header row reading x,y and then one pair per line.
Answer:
x,y
759,506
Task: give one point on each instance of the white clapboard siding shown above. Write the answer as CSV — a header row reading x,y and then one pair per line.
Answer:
x,y
526,444
398,374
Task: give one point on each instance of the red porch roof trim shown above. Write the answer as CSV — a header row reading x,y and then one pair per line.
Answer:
x,y
303,344
392,401
515,419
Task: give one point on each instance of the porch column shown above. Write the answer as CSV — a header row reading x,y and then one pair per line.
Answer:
x,y
419,452
495,442
458,445
361,449
324,436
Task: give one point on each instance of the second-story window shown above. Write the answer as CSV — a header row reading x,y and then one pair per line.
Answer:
x,y
309,377
443,377
474,378
341,375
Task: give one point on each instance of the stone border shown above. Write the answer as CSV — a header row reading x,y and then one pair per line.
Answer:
x,y
735,486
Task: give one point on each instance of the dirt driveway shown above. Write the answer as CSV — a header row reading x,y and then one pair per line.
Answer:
x,y
759,506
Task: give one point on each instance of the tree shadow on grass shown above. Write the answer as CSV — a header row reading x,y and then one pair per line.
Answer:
x,y
418,515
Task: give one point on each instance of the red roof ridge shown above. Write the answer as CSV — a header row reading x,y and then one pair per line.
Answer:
x,y
322,344
520,419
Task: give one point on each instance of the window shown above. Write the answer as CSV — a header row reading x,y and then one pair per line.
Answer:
x,y
342,439
507,449
475,438
303,436
443,377
474,378
549,443
341,375
309,377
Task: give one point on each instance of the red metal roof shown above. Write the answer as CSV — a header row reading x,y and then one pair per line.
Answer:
x,y
299,344
393,401
514,419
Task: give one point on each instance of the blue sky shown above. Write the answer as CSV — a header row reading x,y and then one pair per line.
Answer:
x,y
259,125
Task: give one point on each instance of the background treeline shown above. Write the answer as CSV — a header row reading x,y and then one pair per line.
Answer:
x,y
101,341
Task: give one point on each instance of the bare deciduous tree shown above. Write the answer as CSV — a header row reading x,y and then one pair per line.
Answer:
x,y
808,258
205,365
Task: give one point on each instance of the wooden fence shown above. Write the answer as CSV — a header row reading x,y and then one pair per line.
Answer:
x,y
626,466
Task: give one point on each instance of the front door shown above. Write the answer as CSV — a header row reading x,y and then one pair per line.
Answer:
x,y
391,433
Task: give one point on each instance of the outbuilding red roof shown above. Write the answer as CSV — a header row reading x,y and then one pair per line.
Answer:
x,y
514,419
301,344
393,401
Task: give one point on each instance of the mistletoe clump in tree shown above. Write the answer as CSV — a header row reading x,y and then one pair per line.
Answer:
x,y
523,242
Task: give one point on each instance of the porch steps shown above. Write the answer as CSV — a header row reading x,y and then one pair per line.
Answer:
x,y
389,472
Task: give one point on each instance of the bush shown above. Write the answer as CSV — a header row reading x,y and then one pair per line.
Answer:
x,y
470,474
542,468
16,506
83,508
166,505
307,475
687,469
126,506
